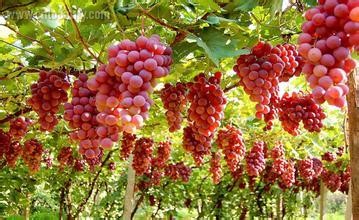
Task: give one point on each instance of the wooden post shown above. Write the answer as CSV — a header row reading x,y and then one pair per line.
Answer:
x,y
323,195
353,115
128,206
348,211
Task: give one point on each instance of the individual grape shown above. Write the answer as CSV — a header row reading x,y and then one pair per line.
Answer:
x,y
32,154
215,167
174,101
47,96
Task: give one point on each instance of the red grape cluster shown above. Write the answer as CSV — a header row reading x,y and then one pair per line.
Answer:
x,y
299,107
81,114
127,145
328,156
5,141
111,166
255,159
178,171
345,179
19,127
327,39
124,85
205,113
317,167
288,176
260,72
79,165
32,154
293,61
65,157
163,154
142,155
174,101
331,180
215,167
277,152
306,170
231,142
13,153
47,96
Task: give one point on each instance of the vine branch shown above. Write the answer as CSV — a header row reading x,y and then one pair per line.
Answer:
x,y
16,114
17,6
76,27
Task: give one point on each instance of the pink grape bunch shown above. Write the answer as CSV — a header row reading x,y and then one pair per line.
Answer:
x,y
204,115
178,171
261,71
298,107
47,96
81,115
65,157
127,145
174,101
329,35
142,155
215,167
19,127
32,154
13,153
306,169
231,142
163,154
255,160
124,85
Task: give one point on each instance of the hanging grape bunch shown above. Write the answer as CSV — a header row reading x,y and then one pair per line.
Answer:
x,y
127,145
204,115
81,114
329,35
19,127
32,154
299,107
125,84
174,101
47,95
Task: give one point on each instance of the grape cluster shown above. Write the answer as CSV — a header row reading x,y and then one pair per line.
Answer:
x,y
19,127
65,157
317,167
111,166
231,142
174,101
293,61
262,70
13,153
178,171
123,86
306,170
205,113
345,180
328,37
328,156
47,95
5,141
163,154
81,114
299,107
288,176
79,165
142,155
331,180
215,167
127,145
32,154
255,160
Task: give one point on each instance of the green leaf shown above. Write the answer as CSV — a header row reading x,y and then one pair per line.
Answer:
x,y
208,5
244,5
217,45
